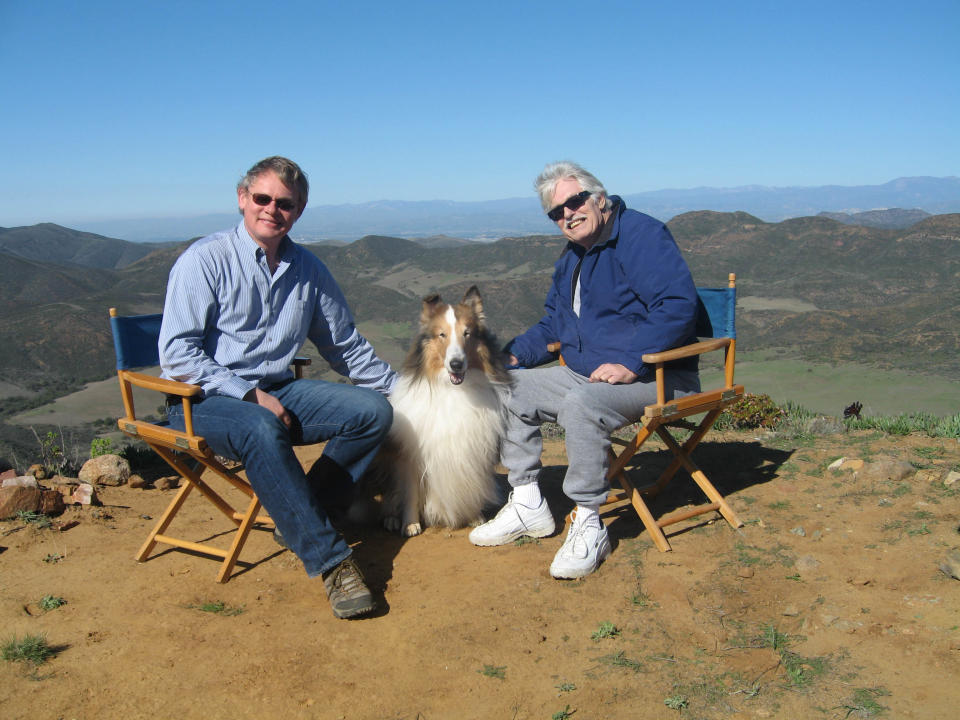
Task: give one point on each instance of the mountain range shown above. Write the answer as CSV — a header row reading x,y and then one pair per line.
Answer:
x,y
826,289
489,220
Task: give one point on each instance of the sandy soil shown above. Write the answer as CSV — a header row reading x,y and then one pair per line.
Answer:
x,y
828,603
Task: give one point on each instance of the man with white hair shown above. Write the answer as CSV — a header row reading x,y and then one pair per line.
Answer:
x,y
620,289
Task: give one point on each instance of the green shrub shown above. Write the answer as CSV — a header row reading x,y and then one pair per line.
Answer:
x,y
752,411
100,446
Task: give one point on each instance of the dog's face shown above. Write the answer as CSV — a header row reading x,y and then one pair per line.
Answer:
x,y
452,338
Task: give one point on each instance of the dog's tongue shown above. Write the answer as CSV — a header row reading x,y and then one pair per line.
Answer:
x,y
456,378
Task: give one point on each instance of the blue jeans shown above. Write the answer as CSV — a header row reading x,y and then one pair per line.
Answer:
x,y
353,421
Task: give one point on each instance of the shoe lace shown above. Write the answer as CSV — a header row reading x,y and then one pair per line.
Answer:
x,y
576,542
348,580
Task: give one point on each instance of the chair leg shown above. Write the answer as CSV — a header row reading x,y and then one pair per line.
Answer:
x,y
191,479
649,522
681,458
240,537
172,509
682,455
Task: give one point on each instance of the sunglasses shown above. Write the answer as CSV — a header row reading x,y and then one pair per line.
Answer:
x,y
574,203
284,204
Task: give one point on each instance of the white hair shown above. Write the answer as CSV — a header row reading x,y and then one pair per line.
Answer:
x,y
546,182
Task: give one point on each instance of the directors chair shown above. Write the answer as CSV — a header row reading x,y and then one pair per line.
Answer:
x,y
135,343
717,329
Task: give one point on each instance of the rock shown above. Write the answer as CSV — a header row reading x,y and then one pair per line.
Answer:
x,y
790,611
836,464
887,469
105,470
167,483
928,475
745,572
951,478
38,471
799,531
807,562
852,464
950,565
17,498
136,481
85,494
21,481
846,626
51,502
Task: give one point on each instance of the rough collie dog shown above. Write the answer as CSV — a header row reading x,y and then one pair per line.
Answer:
x,y
437,466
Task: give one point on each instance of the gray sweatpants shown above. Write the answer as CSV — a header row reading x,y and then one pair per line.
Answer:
x,y
588,412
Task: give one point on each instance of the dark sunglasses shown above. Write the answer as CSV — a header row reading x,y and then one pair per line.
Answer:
x,y
285,204
574,203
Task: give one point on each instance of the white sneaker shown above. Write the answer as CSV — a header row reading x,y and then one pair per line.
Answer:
x,y
586,546
514,520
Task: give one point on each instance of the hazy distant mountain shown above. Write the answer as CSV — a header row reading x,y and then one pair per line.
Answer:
x,y
51,243
891,219
493,219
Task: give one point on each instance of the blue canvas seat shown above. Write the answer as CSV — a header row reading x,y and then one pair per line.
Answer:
x,y
135,343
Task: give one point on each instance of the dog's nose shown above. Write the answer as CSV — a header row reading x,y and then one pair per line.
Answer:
x,y
456,365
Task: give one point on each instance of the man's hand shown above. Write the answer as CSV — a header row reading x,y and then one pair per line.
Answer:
x,y
268,401
613,373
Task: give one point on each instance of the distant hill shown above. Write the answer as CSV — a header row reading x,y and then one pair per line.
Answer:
x,y
47,242
492,219
892,218
811,287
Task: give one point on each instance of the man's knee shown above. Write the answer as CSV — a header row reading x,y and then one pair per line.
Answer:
x,y
581,408
374,409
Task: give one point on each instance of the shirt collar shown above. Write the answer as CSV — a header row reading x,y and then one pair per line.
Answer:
x,y
284,253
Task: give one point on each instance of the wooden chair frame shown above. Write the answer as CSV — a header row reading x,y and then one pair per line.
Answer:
x,y
132,341
663,415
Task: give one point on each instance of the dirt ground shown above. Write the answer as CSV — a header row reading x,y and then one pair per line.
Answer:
x,y
828,603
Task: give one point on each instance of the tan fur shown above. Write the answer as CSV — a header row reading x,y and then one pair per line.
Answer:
x,y
437,467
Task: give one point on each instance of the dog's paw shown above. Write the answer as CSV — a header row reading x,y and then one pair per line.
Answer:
x,y
392,523
412,529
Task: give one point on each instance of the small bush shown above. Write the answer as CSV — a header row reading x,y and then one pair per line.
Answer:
x,y
751,412
32,649
100,446
50,602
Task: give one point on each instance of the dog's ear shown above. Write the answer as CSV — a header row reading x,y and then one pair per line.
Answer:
x,y
471,298
430,304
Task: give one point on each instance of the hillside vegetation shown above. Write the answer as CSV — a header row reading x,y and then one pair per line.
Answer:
x,y
809,288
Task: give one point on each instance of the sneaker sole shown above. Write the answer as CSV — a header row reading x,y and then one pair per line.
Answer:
x,y
347,613
507,539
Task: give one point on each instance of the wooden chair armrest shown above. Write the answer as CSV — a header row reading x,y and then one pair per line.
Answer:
x,y
171,387
301,361
686,351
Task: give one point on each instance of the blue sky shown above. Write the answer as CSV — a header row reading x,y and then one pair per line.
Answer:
x,y
153,109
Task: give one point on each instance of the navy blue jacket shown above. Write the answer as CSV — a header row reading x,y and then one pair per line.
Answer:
x,y
636,296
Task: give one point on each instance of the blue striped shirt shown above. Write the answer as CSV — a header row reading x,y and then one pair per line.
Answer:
x,y
230,326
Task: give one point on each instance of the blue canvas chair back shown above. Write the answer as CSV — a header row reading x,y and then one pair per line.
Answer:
x,y
135,340
716,312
